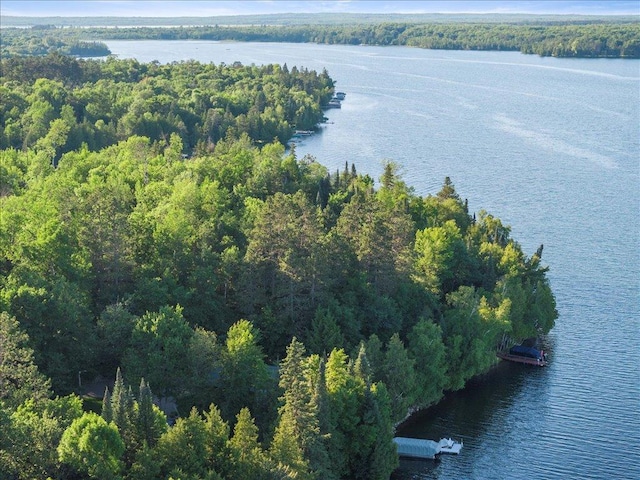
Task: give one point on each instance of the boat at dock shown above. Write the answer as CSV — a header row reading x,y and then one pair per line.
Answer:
x,y
416,448
447,445
524,354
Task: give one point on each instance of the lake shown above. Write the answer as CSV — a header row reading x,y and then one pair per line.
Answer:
x,y
551,147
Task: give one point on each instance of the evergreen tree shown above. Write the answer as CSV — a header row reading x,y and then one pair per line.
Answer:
x,y
427,350
248,453
398,375
147,464
121,403
183,448
362,368
218,453
375,356
344,391
297,422
325,333
448,190
320,461
150,422
384,458
107,407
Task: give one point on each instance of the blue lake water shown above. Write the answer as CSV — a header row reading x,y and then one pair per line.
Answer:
x,y
551,147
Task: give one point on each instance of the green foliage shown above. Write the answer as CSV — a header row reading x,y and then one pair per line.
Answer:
x,y
441,254
287,248
114,327
427,350
187,106
249,456
53,314
297,427
92,447
325,333
219,453
244,380
20,379
398,374
157,350
193,269
569,37
183,448
150,423
29,433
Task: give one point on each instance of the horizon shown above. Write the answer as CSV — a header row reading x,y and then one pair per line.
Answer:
x,y
190,8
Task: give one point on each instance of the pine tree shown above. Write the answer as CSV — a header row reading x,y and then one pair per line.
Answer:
x,y
325,333
362,367
145,419
123,415
448,190
107,410
318,450
120,403
297,418
320,400
147,464
244,443
183,448
383,458
216,443
399,376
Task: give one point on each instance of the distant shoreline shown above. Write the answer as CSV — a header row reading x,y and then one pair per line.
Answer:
x,y
544,35
313,19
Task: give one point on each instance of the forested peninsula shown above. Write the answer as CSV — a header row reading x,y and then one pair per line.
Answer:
x,y
155,230
559,36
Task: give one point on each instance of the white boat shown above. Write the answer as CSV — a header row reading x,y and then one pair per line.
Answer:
x,y
447,445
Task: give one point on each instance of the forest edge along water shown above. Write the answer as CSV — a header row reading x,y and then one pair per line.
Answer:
x,y
548,144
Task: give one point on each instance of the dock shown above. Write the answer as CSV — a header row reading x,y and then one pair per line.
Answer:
x,y
427,449
416,447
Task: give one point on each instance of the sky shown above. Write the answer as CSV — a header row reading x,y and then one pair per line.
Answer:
x,y
202,8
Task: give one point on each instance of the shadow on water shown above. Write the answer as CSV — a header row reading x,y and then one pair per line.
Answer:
x,y
464,415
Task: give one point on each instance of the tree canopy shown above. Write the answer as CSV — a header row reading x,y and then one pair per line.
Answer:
x,y
305,312
562,36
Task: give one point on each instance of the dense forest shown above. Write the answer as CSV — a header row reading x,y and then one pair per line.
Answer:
x,y
45,39
155,229
579,39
